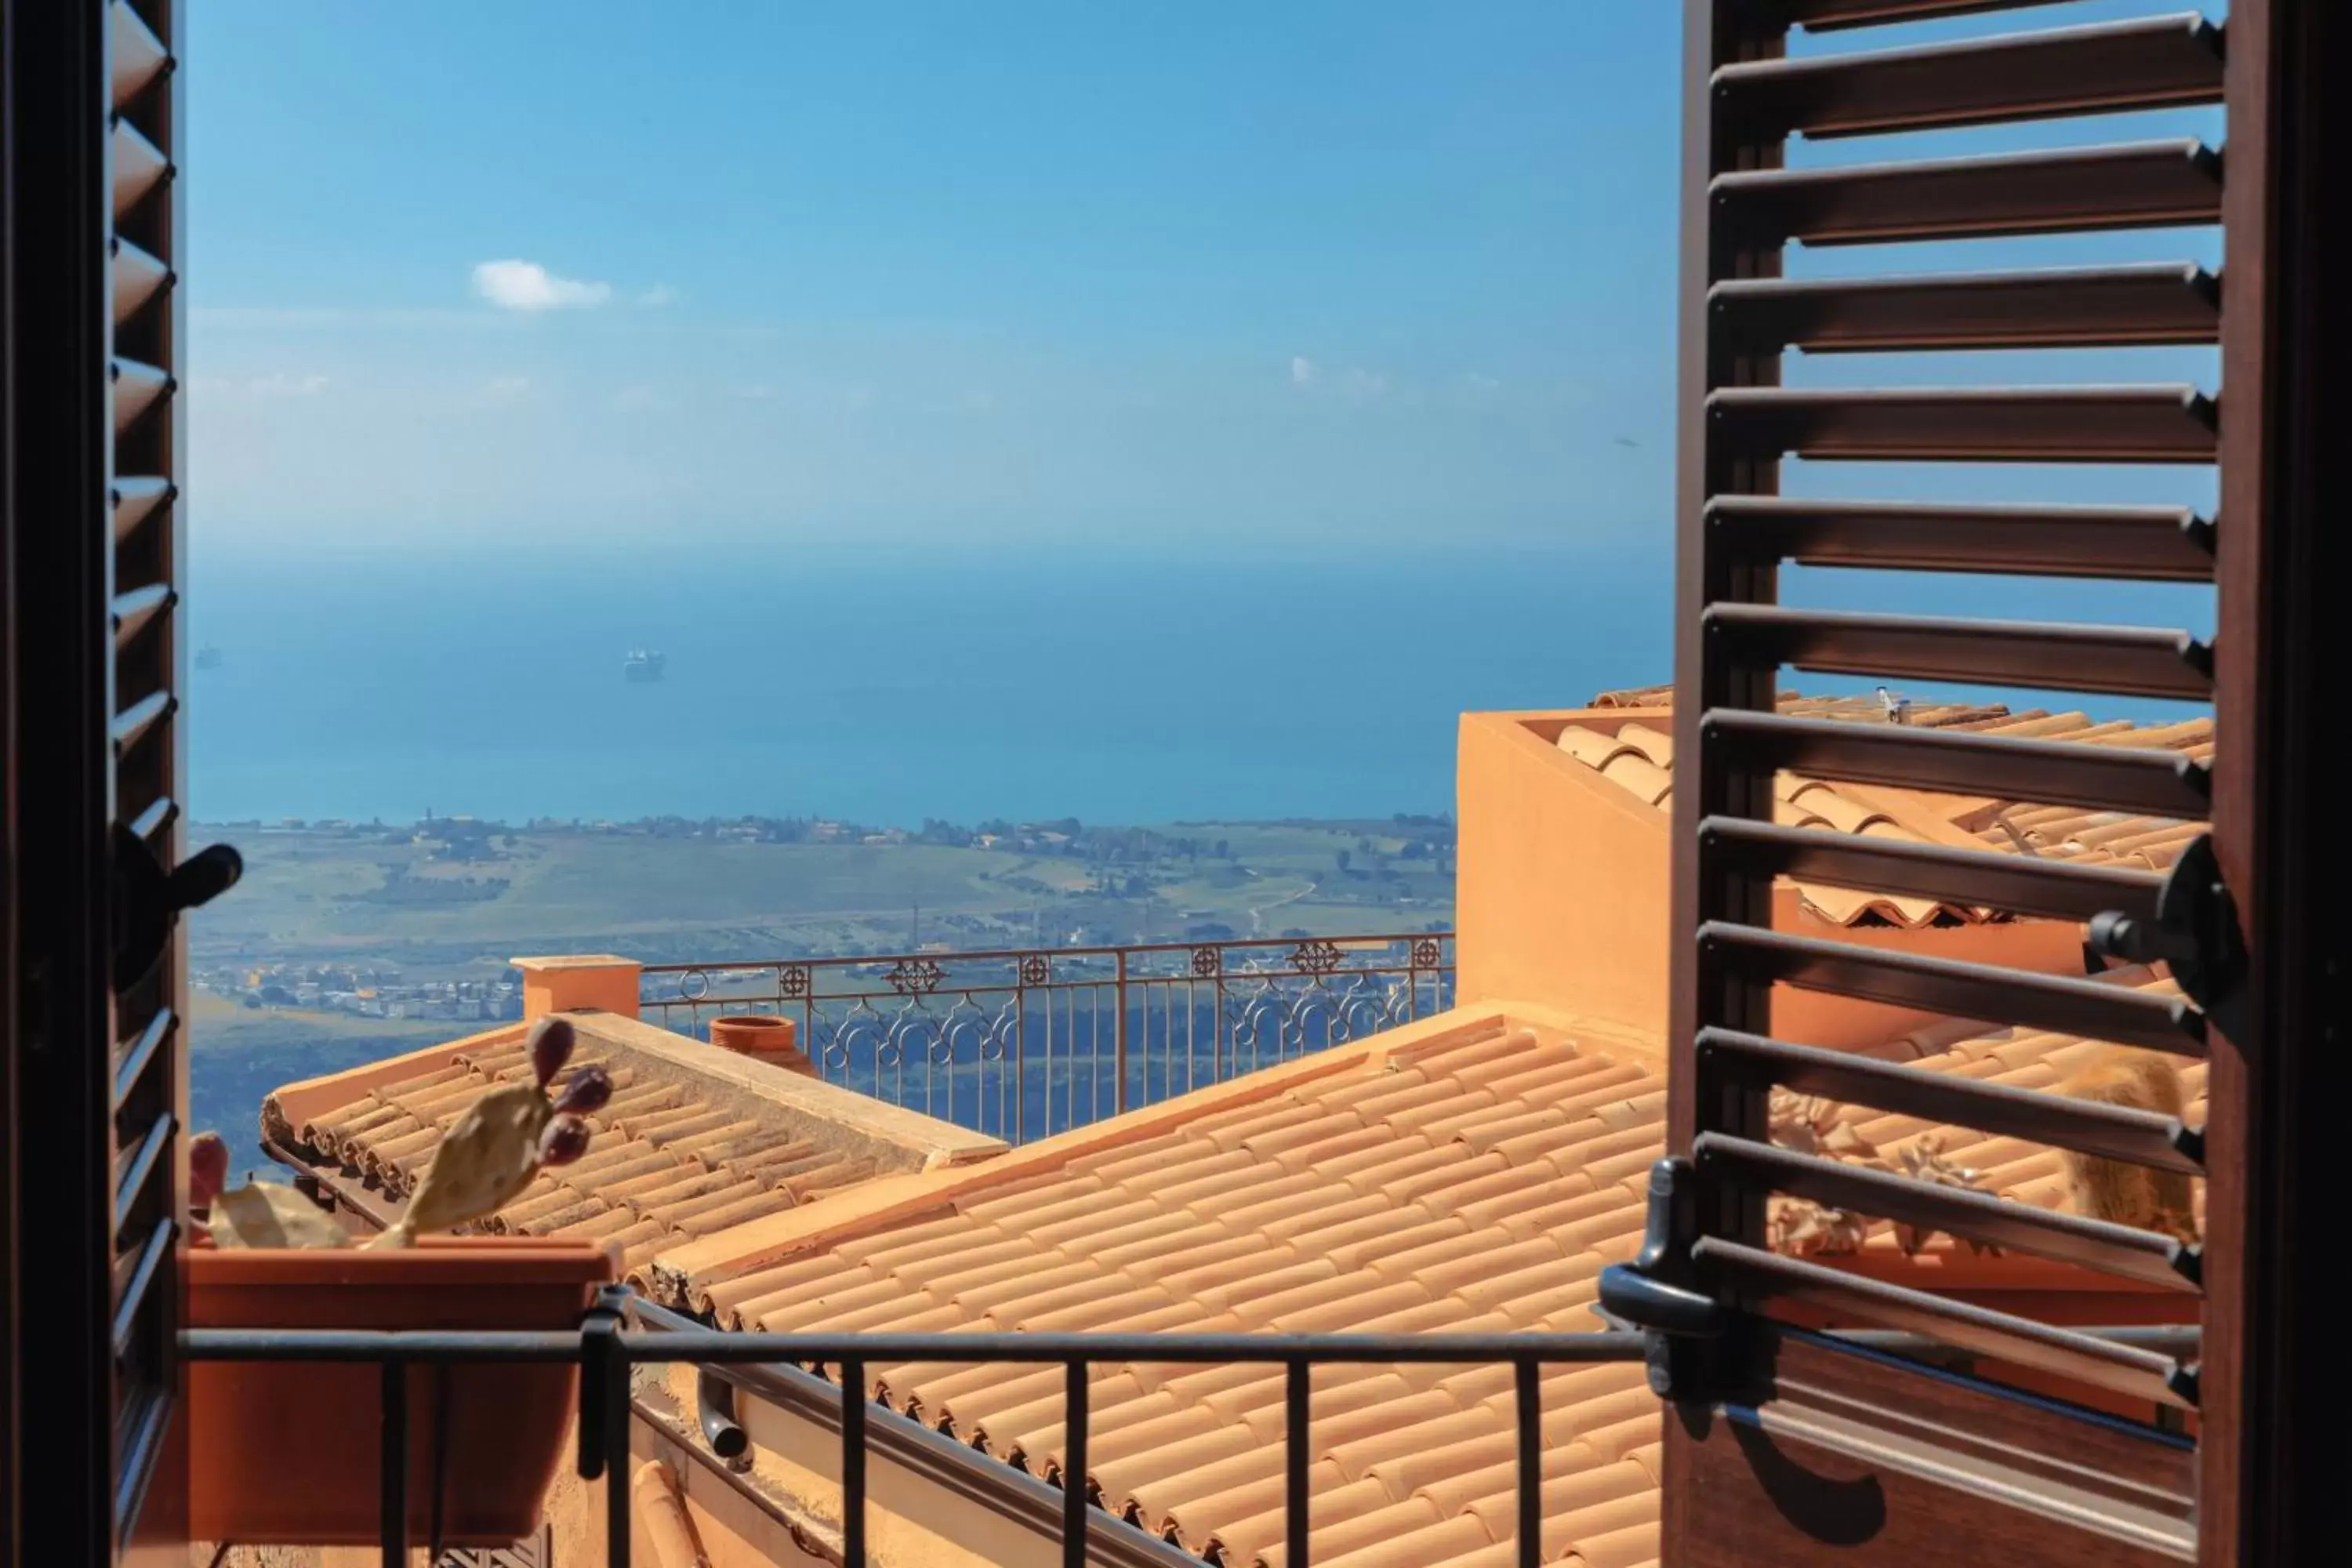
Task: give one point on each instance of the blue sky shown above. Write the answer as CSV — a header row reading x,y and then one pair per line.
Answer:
x,y
949,276
920,274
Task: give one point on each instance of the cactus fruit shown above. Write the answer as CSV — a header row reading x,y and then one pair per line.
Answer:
x,y
208,1169
550,1047
563,1140
586,1093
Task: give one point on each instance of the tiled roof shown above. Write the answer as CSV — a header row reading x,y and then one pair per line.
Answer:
x,y
1477,1180
2019,1058
677,1153
1638,757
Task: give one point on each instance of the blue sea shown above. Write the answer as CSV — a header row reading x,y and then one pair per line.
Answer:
x,y
1112,687
1109,685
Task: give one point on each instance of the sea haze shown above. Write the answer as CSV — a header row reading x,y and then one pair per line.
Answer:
x,y
1107,686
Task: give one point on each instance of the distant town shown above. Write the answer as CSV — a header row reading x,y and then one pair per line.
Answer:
x,y
368,992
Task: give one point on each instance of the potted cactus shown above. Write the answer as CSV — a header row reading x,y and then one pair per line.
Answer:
x,y
484,1440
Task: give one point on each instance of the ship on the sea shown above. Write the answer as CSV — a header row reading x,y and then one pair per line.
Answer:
x,y
643,664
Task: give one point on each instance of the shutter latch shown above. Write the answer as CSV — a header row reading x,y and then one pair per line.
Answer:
x,y
147,899
1656,1292
2195,932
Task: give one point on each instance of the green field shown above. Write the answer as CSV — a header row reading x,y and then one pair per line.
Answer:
x,y
364,896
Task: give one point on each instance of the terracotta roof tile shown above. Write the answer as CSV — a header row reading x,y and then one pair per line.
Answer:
x,y
1404,1154
1415,1548
1629,755
1630,1547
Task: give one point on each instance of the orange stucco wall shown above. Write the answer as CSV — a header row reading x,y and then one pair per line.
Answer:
x,y
602,981
1560,895
1561,880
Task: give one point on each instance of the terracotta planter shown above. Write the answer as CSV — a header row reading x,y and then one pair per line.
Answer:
x,y
285,1453
763,1038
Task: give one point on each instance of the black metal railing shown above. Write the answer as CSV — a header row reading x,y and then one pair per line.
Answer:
x,y
623,1331
1021,1043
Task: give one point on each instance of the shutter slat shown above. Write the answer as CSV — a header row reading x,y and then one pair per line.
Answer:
x,y
2017,424
144,1425
1759,1276
1829,16
132,610
132,723
2085,307
158,815
144,1164
1961,1212
137,388
2161,62
2109,1132
139,167
137,277
2059,1003
134,500
1989,879
2053,655
2003,767
137,55
141,1280
2142,544
142,1051
2147,184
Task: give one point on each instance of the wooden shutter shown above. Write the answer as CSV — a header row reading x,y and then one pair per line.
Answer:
x,y
1783,1444
97,523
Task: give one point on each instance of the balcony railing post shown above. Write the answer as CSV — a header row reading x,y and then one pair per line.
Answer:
x,y
1118,1036
853,1464
1527,1378
393,1461
1298,1390
1074,1466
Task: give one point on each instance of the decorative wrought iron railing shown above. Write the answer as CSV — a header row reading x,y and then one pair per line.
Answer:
x,y
1021,1043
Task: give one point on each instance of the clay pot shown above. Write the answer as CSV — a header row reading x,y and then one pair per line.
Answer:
x,y
763,1038
284,1453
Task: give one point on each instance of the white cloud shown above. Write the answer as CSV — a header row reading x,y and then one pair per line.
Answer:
x,y
528,286
1355,384
1479,386
280,384
757,392
276,383
505,388
659,295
